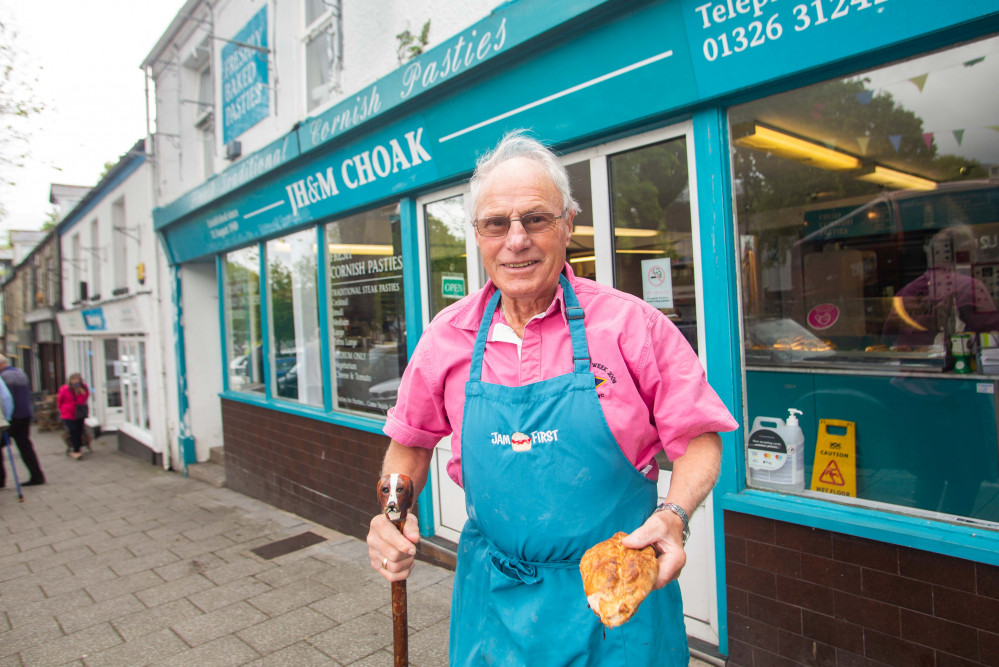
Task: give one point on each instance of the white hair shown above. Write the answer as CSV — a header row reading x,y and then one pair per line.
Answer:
x,y
517,144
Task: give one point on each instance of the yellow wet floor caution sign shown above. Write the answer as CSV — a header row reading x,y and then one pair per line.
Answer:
x,y
835,469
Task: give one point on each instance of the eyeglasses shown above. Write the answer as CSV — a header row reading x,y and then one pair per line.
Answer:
x,y
537,222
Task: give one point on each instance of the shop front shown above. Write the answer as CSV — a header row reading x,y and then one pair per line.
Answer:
x,y
108,345
809,192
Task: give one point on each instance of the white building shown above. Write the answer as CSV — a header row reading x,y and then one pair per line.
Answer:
x,y
116,310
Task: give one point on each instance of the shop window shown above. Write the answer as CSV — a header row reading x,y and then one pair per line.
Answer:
x,y
244,343
653,241
296,364
112,373
323,50
447,270
868,223
367,318
134,386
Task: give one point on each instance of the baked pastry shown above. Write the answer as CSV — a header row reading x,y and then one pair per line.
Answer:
x,y
616,579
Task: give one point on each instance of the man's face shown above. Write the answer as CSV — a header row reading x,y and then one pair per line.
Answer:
x,y
525,267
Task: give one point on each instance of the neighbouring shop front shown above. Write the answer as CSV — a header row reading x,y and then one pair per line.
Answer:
x,y
810,192
108,345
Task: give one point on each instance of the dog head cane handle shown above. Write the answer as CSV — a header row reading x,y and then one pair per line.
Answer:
x,y
395,497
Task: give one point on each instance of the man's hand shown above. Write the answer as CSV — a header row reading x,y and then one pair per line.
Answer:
x,y
664,531
393,553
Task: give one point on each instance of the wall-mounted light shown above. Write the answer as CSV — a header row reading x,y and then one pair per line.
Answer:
x,y
794,148
895,179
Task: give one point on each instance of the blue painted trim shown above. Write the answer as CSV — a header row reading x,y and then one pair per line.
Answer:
x,y
969,542
265,324
369,424
185,439
220,283
322,298
414,327
721,311
96,196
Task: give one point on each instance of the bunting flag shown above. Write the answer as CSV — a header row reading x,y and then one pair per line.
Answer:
x,y
865,97
862,143
920,81
928,139
959,136
972,63
896,141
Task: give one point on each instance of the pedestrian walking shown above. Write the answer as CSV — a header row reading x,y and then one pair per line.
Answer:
x,y
72,401
20,419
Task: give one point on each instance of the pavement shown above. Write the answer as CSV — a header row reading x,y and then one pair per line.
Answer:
x,y
117,562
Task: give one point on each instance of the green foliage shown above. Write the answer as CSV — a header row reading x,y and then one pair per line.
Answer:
x,y
51,218
411,45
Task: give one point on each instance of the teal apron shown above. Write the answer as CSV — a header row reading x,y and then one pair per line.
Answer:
x,y
545,480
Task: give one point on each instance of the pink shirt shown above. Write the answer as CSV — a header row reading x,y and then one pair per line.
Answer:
x,y
650,383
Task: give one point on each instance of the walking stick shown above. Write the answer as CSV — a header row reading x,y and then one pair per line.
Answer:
x,y
395,496
13,467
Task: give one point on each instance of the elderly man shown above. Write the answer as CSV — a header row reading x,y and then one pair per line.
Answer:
x,y
550,462
20,421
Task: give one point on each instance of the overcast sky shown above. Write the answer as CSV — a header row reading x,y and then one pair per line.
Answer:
x,y
90,81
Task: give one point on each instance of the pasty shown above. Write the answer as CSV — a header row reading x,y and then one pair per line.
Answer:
x,y
616,579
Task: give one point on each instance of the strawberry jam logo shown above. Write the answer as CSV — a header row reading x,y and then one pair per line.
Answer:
x,y
521,442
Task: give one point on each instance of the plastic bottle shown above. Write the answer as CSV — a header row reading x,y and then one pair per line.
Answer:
x,y
776,454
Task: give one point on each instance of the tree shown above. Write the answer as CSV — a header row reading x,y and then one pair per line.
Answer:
x,y
18,104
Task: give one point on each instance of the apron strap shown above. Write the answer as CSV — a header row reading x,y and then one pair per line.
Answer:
x,y
574,314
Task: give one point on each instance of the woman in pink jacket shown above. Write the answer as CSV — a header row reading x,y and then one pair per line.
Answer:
x,y
72,402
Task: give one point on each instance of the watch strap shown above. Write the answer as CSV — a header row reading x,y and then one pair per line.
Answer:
x,y
680,512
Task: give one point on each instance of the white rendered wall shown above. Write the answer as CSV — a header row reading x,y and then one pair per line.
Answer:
x,y
202,344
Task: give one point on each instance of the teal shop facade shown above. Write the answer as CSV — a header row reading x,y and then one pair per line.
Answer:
x,y
335,244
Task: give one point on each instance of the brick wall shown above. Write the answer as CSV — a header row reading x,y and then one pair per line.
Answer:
x,y
803,596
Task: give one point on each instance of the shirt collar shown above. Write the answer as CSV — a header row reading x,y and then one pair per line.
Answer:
x,y
470,315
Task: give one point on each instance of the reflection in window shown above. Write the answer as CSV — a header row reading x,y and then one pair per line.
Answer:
x,y
653,243
446,253
244,345
867,221
367,313
580,253
296,364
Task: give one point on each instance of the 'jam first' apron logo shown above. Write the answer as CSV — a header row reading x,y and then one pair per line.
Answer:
x,y
522,442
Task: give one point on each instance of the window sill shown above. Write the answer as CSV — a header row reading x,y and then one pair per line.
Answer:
x,y
971,542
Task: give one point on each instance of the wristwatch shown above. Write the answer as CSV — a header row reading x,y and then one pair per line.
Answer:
x,y
680,512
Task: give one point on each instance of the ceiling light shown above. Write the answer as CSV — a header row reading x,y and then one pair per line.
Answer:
x,y
766,139
896,179
587,230
587,258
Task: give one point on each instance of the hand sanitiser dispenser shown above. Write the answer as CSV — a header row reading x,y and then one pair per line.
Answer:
x,y
777,454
